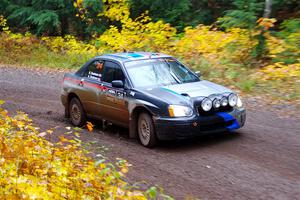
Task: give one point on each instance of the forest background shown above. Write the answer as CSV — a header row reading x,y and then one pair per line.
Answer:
x,y
250,45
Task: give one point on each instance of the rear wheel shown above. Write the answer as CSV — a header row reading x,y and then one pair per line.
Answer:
x,y
146,130
77,113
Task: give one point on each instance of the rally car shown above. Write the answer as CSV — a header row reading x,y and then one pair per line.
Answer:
x,y
152,94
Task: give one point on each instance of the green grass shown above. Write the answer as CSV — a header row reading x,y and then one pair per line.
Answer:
x,y
42,57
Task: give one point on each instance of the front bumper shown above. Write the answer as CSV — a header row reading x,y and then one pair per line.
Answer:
x,y
177,128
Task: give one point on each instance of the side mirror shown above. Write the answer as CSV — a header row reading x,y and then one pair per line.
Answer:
x,y
117,84
198,73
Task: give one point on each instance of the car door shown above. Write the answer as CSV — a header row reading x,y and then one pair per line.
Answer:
x,y
113,100
89,87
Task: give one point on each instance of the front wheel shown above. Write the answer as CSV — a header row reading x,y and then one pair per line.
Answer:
x,y
77,113
146,130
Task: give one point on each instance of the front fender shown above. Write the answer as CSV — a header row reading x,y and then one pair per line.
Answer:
x,y
134,107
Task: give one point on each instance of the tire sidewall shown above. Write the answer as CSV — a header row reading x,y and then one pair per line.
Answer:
x,y
153,140
82,120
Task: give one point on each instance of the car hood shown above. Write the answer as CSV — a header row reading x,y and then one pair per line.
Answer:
x,y
184,93
197,89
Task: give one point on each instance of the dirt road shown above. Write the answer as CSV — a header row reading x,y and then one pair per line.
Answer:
x,y
260,161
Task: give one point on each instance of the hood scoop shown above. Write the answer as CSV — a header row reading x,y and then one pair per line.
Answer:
x,y
185,95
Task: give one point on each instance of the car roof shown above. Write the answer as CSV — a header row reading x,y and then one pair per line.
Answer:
x,y
132,56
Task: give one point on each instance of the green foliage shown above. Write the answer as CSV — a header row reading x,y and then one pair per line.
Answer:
x,y
244,15
290,33
44,21
246,85
61,17
174,12
288,27
181,13
88,12
42,17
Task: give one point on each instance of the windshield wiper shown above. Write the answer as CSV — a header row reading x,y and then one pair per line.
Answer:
x,y
175,77
172,73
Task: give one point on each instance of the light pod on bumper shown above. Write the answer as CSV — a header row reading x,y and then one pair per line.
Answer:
x,y
206,104
239,103
224,101
216,103
232,99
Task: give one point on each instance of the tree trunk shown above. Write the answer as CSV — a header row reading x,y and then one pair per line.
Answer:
x,y
268,8
64,25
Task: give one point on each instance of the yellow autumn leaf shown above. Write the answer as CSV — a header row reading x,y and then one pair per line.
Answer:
x,y
90,126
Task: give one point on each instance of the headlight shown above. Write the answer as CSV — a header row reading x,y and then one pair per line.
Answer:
x,y
224,101
232,100
239,103
216,103
180,111
206,104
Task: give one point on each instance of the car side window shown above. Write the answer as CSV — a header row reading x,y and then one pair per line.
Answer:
x,y
111,72
95,70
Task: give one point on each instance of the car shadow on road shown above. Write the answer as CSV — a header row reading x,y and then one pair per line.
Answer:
x,y
203,141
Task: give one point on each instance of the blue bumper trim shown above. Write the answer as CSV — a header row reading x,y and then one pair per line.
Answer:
x,y
227,117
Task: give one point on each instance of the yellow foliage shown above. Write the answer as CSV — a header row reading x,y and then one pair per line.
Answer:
x,y
70,46
138,34
18,42
277,45
116,10
3,25
33,168
81,11
280,71
214,45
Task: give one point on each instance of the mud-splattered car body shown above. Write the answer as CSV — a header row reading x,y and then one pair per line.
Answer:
x,y
152,94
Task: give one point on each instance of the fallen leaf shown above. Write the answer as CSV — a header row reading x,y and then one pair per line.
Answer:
x,y
90,126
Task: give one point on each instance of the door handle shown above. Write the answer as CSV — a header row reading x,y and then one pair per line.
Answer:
x,y
81,82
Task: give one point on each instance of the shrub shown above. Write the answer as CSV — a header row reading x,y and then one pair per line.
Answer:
x,y
138,34
32,167
3,25
71,46
280,71
214,46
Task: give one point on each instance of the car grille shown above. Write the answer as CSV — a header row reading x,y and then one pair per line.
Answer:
x,y
215,126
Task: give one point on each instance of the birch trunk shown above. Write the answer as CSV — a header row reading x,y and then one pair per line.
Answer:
x,y
268,8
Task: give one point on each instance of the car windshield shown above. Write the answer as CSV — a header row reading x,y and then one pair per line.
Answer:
x,y
158,72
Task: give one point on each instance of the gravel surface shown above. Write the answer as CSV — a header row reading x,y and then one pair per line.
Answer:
x,y
260,161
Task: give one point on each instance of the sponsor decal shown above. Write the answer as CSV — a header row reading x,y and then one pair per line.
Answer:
x,y
110,94
74,80
120,95
171,91
132,93
135,55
